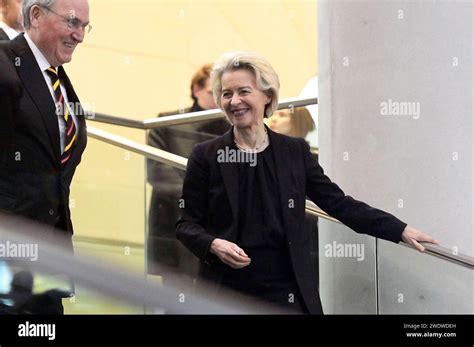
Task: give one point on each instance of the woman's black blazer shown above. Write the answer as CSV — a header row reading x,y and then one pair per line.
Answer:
x,y
210,202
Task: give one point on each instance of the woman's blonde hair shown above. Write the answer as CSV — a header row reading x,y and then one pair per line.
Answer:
x,y
265,76
301,121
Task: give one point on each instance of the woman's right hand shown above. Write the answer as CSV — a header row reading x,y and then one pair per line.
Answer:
x,y
229,253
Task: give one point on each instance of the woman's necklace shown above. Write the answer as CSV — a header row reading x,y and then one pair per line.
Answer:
x,y
257,148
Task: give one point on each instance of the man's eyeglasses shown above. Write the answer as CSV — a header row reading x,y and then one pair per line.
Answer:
x,y
72,22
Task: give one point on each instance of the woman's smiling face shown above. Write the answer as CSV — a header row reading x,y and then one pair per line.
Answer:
x,y
241,99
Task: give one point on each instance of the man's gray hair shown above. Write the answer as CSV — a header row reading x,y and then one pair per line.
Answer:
x,y
28,4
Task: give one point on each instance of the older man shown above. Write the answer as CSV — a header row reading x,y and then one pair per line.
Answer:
x,y
11,24
42,127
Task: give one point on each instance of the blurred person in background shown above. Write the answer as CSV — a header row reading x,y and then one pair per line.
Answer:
x,y
12,19
310,90
11,24
295,122
163,248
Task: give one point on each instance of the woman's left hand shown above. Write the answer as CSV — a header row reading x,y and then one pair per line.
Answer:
x,y
411,236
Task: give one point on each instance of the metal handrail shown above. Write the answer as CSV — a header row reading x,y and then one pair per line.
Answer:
x,y
311,209
114,120
132,146
111,280
434,250
185,118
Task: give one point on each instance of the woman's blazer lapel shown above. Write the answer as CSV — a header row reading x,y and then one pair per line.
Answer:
x,y
229,173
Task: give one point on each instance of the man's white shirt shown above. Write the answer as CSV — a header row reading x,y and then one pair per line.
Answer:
x,y
44,65
11,33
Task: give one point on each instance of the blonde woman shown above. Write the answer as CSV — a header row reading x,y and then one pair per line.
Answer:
x,y
292,122
245,221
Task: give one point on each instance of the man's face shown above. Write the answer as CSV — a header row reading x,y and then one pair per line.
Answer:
x,y
204,96
11,12
53,36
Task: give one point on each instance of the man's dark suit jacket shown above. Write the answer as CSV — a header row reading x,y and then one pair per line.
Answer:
x,y
32,182
210,193
3,35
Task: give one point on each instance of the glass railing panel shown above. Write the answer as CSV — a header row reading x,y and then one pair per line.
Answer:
x,y
124,254
168,261
108,205
347,267
413,283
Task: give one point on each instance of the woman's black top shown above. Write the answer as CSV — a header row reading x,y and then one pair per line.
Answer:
x,y
261,235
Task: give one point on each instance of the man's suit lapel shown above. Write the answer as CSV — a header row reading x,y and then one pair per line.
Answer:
x,y
230,175
34,83
3,35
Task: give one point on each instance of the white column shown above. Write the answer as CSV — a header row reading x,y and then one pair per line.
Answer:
x,y
396,131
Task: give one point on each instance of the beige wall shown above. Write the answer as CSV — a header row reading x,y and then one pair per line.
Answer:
x,y
138,60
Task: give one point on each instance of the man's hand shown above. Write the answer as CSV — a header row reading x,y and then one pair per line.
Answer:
x,y
411,235
229,253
